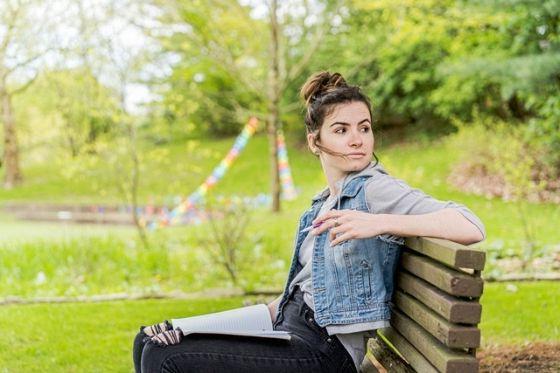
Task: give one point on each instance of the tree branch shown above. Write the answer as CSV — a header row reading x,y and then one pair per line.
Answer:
x,y
297,69
13,16
24,86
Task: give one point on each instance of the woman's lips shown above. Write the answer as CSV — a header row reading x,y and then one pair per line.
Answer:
x,y
355,155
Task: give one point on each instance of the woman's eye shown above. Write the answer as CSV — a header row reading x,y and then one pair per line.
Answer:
x,y
365,129
340,130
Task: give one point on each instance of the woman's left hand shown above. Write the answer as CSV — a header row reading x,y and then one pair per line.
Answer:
x,y
348,224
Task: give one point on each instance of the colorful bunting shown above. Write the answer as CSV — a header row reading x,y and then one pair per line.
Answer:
x,y
187,211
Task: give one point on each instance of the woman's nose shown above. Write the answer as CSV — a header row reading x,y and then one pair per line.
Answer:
x,y
356,139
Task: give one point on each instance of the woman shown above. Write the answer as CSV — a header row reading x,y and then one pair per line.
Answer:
x,y
341,276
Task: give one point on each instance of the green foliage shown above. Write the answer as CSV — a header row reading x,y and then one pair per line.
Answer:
x,y
58,337
72,261
514,155
545,133
222,66
70,107
269,237
427,63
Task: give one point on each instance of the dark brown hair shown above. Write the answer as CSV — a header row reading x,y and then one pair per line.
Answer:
x,y
321,93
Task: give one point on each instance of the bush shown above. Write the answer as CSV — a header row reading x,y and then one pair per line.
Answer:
x,y
511,161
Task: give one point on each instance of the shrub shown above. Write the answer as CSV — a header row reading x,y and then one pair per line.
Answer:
x,y
511,161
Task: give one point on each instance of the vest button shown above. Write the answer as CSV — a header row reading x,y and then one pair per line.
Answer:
x,y
329,340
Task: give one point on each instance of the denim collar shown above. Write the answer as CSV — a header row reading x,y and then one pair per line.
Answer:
x,y
348,186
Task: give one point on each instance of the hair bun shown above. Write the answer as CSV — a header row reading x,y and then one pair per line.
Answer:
x,y
320,84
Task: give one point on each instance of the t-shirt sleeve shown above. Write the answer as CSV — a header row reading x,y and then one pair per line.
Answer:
x,y
388,195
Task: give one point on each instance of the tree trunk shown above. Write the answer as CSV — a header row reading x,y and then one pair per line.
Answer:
x,y
274,108
135,186
12,173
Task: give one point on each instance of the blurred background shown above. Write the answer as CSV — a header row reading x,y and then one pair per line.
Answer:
x,y
134,189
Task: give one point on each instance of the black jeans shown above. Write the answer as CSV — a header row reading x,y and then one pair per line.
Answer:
x,y
311,349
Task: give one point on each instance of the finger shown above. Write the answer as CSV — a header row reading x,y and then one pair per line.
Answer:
x,y
327,224
156,340
341,238
327,215
336,231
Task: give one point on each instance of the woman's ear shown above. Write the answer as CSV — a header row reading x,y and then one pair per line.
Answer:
x,y
310,145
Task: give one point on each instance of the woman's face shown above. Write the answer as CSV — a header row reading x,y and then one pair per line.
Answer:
x,y
346,130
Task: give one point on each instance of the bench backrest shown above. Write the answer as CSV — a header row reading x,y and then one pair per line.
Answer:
x,y
436,308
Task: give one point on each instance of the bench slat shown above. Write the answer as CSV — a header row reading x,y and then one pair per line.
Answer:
x,y
452,309
452,335
411,354
451,281
442,357
385,356
448,252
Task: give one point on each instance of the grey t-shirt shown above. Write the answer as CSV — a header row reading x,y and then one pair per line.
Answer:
x,y
384,195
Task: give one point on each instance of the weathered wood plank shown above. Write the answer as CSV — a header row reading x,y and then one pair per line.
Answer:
x,y
444,278
367,365
448,252
442,358
452,335
411,354
386,356
454,310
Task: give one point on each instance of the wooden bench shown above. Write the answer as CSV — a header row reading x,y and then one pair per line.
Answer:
x,y
436,310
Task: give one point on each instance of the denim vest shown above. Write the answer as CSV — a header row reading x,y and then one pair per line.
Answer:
x,y
352,281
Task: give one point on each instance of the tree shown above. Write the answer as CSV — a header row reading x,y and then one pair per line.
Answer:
x,y
428,62
217,39
25,37
84,107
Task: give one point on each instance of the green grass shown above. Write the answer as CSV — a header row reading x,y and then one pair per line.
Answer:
x,y
29,249
514,313
109,264
49,259
177,169
91,337
97,337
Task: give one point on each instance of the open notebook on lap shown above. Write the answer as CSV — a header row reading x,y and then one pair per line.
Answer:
x,y
251,321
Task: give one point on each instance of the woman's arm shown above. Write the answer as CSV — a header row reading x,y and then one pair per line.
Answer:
x,y
446,223
397,209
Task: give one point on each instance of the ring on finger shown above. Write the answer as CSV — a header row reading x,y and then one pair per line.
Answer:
x,y
336,223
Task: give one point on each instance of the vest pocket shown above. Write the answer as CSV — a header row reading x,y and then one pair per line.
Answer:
x,y
366,278
390,261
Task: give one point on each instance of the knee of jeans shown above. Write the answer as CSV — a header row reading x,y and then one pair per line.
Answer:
x,y
140,336
161,359
152,357
137,349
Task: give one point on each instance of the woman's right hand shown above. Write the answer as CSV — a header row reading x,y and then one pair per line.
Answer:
x,y
273,308
272,311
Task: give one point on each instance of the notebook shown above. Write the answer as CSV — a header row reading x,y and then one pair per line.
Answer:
x,y
253,321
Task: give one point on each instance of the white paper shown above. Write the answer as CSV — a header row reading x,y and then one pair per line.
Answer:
x,y
247,321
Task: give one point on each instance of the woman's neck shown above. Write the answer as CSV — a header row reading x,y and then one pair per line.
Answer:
x,y
335,183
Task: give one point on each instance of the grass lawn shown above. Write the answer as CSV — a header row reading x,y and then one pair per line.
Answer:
x,y
87,337
513,313
48,259
97,337
78,259
177,169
